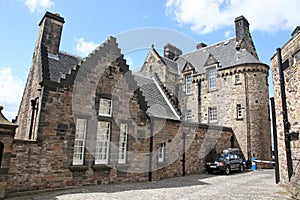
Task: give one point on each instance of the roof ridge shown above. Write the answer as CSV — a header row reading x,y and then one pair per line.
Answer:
x,y
208,46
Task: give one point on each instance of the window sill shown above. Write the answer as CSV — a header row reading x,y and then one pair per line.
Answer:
x,y
212,90
78,168
101,167
238,83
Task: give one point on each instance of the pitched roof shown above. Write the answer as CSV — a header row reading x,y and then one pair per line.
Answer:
x,y
158,104
171,65
224,52
61,64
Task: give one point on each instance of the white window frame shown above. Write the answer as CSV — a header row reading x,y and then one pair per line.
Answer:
x,y
213,114
237,78
102,142
162,152
212,78
189,115
105,107
79,144
123,143
189,84
239,111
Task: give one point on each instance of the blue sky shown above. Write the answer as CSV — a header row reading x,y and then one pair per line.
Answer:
x,y
91,22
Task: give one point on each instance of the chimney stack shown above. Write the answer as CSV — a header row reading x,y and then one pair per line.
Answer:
x,y
171,51
243,36
51,27
201,45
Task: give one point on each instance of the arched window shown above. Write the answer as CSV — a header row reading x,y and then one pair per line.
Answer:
x,y
1,152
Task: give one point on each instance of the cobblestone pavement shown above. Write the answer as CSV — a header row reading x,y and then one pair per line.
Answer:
x,y
258,184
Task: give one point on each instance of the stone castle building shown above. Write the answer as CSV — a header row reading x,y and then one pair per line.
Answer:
x,y
88,121
290,55
222,84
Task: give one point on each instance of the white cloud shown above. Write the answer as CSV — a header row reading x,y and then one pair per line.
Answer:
x,y
11,88
83,48
38,5
205,16
227,34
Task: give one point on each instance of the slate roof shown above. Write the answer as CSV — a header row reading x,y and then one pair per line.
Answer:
x,y
61,64
157,103
224,51
171,65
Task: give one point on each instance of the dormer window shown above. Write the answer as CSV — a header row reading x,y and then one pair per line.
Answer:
x,y
212,81
105,107
188,83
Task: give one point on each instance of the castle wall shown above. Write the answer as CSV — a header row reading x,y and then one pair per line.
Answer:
x,y
47,165
292,80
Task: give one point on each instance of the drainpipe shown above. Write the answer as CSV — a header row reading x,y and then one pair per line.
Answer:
x,y
286,123
277,177
33,104
199,100
183,153
151,149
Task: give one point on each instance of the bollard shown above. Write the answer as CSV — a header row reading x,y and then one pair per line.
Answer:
x,y
254,165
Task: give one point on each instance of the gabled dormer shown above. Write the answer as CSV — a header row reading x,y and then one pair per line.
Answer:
x,y
154,64
152,56
211,60
188,68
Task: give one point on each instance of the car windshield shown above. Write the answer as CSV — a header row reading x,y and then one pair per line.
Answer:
x,y
223,157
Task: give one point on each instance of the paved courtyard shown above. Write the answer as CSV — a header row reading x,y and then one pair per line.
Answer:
x,y
248,185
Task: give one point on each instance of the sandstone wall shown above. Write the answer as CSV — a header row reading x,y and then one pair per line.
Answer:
x,y
291,77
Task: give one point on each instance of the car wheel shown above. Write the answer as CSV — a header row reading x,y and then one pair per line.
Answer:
x,y
242,168
227,170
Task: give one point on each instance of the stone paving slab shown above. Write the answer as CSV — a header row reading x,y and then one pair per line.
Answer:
x,y
258,184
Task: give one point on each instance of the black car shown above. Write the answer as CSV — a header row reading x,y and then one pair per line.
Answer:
x,y
228,161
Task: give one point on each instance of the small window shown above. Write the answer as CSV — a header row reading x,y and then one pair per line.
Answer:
x,y
237,79
105,107
239,111
213,115
162,152
189,84
123,143
297,57
102,143
79,144
189,115
212,84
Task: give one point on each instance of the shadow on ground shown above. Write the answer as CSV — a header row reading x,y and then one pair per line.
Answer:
x,y
190,180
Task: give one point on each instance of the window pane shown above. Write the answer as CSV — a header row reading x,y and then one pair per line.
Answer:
x,y
105,107
212,78
213,115
102,143
189,81
79,142
122,143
